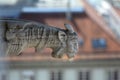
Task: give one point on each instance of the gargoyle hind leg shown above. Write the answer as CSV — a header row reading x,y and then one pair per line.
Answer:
x,y
22,49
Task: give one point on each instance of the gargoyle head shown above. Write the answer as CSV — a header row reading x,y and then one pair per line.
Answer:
x,y
69,38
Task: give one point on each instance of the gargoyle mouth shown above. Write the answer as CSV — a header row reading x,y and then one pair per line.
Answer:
x,y
70,56
64,57
71,59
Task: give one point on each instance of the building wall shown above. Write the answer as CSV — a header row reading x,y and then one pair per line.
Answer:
x,y
67,74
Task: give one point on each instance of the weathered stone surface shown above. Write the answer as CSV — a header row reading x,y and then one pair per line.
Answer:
x,y
20,34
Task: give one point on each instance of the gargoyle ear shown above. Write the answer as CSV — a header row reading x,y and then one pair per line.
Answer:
x,y
62,36
69,28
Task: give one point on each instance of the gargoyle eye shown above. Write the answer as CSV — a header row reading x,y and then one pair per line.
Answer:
x,y
62,35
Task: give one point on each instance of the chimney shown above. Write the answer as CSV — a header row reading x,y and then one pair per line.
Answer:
x,y
68,12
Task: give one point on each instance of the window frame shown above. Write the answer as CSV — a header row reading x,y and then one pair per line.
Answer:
x,y
99,43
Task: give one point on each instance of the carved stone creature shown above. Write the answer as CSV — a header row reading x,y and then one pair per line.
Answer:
x,y
22,34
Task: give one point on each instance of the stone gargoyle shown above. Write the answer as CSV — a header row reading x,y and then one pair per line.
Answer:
x,y
22,34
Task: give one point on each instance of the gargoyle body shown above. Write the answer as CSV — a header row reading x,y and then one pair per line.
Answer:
x,y
21,34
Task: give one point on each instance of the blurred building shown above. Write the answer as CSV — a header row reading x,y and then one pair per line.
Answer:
x,y
14,7
99,51
115,3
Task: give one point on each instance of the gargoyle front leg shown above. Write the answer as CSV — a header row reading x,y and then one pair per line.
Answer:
x,y
58,53
15,48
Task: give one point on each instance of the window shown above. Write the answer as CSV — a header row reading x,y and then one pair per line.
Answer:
x,y
81,42
28,75
99,43
83,75
56,76
114,75
3,76
6,2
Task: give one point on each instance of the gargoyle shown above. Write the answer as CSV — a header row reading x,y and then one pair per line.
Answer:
x,y
21,34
